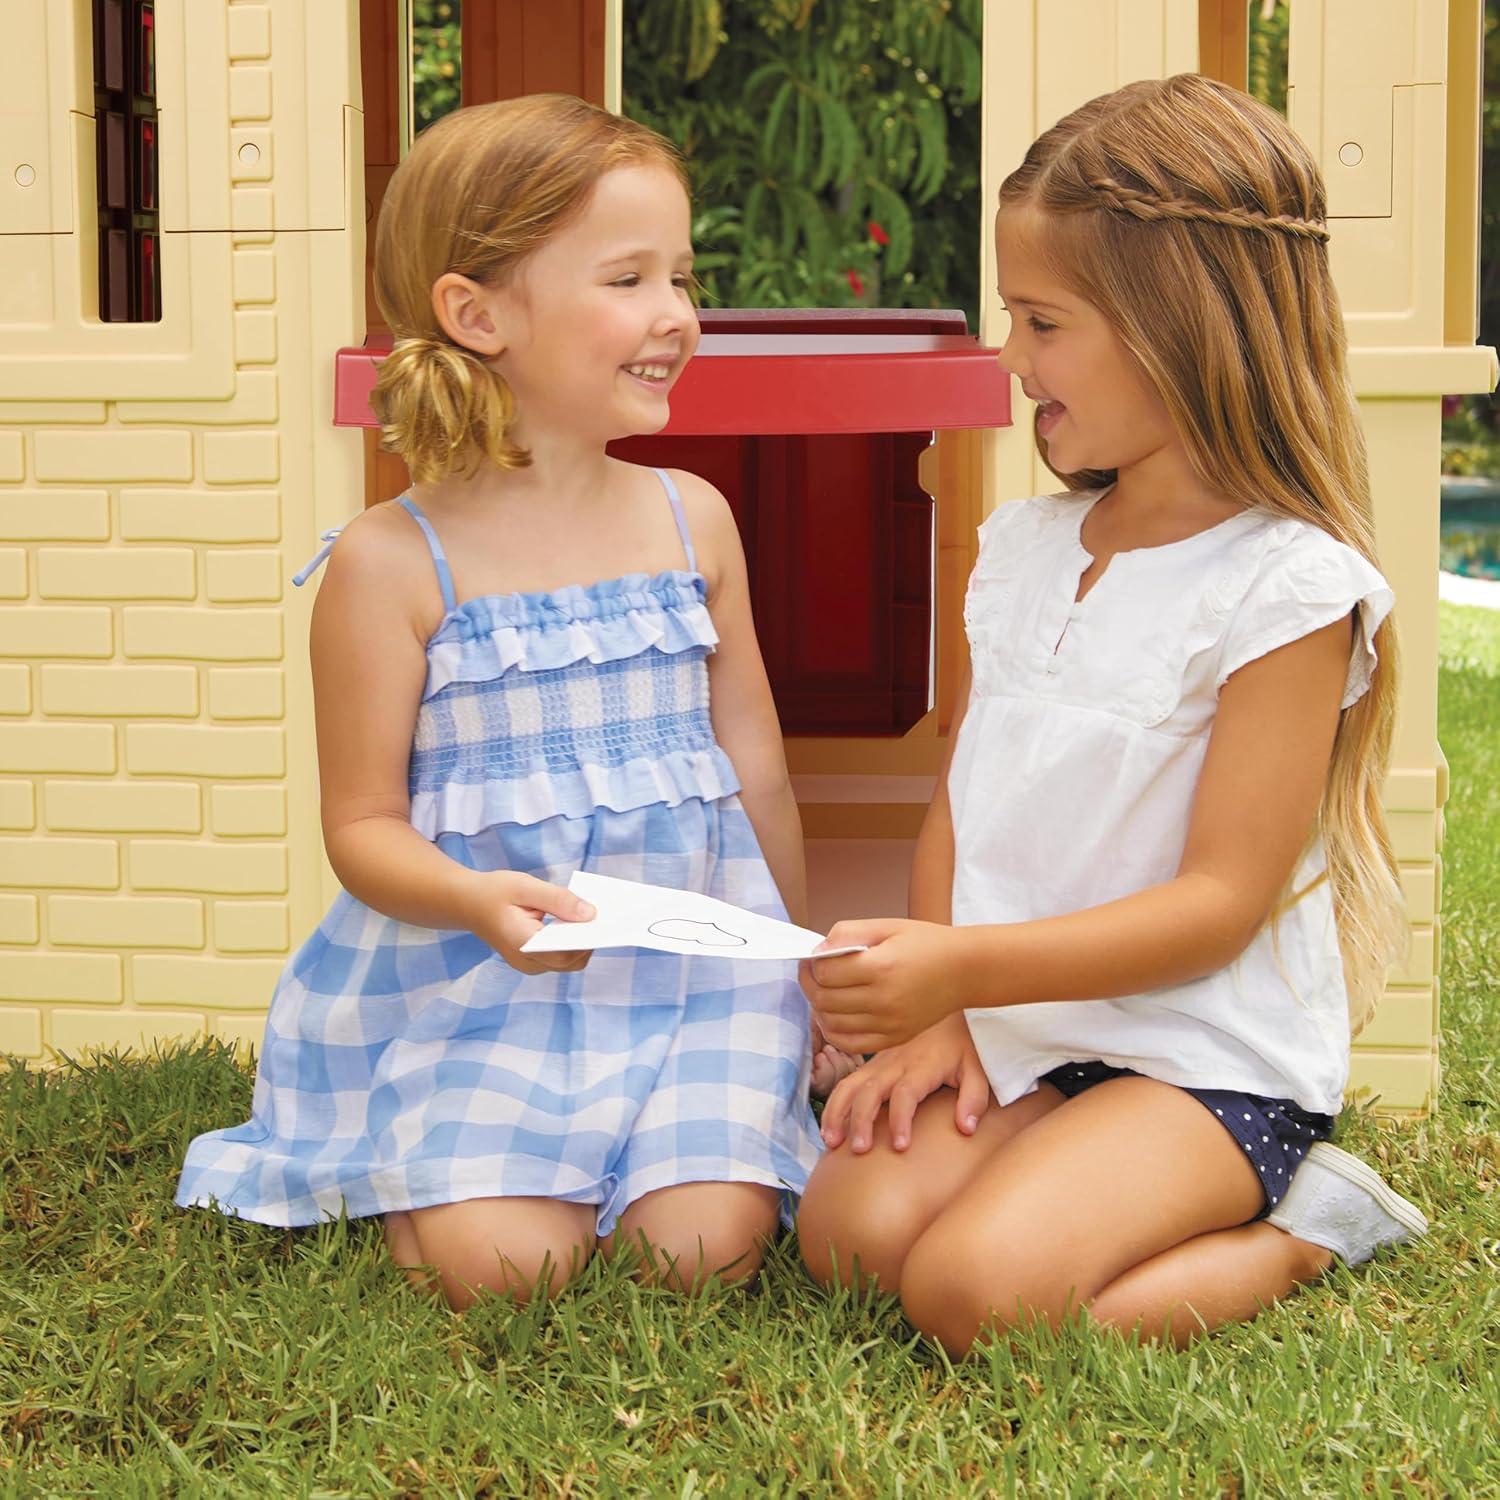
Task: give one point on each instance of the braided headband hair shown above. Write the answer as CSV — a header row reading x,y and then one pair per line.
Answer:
x,y
1152,206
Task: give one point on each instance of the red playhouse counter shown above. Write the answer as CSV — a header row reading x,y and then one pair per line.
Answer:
x,y
813,422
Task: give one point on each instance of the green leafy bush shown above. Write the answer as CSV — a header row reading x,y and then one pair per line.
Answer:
x,y
435,60
833,145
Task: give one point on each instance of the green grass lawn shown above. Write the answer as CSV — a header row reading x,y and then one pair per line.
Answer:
x,y
148,1351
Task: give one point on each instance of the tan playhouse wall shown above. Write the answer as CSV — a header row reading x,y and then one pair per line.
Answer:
x,y
158,483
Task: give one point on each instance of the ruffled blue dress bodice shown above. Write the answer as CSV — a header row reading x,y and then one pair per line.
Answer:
x,y
590,696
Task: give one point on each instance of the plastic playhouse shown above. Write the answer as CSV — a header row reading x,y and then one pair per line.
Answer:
x,y
187,341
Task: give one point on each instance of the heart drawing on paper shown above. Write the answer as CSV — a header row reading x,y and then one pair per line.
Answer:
x,y
705,934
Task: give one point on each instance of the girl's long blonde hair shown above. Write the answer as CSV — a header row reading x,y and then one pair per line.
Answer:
x,y
1194,220
478,192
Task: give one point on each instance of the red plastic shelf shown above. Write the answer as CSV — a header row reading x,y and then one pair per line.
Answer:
x,y
900,372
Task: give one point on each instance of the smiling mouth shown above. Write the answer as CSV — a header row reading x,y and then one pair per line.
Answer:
x,y
655,374
1049,414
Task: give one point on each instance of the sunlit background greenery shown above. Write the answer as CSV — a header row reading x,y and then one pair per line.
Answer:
x,y
833,145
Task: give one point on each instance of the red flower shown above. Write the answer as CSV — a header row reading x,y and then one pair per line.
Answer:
x,y
878,234
856,283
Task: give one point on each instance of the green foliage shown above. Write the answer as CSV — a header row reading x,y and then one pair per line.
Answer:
x,y
689,32
436,60
1471,444
833,145
1270,23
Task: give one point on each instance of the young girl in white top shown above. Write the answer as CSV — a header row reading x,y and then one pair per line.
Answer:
x,y
539,661
1159,839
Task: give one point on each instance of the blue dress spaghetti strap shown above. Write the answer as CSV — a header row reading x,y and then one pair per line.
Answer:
x,y
404,1067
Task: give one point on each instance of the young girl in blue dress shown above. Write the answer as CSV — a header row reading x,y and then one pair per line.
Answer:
x,y
540,660
1159,837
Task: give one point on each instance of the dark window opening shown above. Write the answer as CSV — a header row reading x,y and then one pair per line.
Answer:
x,y
127,161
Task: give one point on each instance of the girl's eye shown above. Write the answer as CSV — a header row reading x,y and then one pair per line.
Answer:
x,y
1038,326
630,280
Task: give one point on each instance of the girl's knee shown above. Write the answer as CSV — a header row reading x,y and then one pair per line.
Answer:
x,y
688,1261
852,1231
513,1248
694,1233
953,1296
519,1272
939,1301
401,1242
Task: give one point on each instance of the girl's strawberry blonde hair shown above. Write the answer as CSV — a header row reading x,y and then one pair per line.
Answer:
x,y
478,192
1194,219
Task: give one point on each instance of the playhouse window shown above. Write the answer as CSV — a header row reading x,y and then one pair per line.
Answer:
x,y
127,160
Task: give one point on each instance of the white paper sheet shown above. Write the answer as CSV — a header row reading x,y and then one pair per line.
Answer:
x,y
631,914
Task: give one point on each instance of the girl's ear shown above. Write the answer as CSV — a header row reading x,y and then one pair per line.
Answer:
x,y
469,313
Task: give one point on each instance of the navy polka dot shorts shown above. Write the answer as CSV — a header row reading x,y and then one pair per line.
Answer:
x,y
1275,1133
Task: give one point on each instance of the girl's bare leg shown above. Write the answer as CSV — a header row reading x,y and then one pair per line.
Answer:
x,y
695,1232
401,1242
493,1244
1099,1186
1228,1276
861,1214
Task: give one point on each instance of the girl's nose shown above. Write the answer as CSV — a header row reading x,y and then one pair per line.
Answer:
x,y
672,316
1013,360
1010,356
676,319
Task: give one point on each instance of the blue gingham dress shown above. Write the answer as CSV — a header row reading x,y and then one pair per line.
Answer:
x,y
404,1067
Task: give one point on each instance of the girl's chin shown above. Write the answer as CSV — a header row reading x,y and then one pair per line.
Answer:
x,y
1059,460
645,425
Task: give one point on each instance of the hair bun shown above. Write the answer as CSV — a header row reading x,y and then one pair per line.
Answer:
x,y
443,409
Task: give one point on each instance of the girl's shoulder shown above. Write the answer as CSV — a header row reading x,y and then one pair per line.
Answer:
x,y
710,523
1288,558
1015,527
380,537
1291,579
702,501
382,553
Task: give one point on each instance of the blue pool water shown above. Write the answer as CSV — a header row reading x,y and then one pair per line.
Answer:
x,y
1469,531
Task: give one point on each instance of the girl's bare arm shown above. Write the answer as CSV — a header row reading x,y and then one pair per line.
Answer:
x,y
1257,798
375,609
931,894
744,714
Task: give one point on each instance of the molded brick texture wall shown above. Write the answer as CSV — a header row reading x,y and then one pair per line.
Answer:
x,y
158,839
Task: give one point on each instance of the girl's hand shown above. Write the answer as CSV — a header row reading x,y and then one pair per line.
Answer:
x,y
829,1065
509,908
912,976
942,1056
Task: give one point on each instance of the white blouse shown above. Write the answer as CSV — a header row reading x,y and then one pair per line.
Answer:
x,y
1073,778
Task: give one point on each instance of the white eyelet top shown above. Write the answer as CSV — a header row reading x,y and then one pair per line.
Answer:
x,y
1073,778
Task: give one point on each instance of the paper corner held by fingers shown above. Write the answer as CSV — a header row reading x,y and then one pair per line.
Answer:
x,y
632,914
